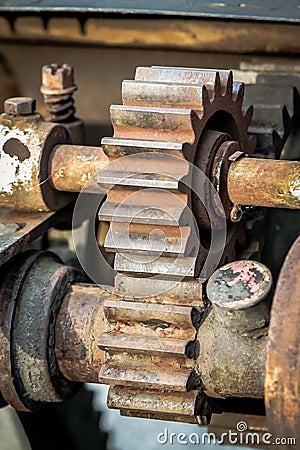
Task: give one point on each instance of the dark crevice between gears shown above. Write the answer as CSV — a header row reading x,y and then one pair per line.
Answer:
x,y
192,349
198,315
203,408
203,403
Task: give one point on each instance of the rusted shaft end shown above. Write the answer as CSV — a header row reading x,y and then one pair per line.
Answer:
x,y
240,294
264,182
74,166
78,325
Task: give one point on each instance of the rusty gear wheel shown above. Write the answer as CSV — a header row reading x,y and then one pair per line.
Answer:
x,y
166,112
171,111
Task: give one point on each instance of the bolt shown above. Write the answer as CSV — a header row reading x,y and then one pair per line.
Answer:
x,y
58,77
19,106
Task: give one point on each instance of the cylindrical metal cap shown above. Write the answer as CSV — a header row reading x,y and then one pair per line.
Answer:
x,y
239,292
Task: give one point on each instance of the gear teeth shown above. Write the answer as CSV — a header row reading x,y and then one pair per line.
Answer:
x,y
180,75
154,332
286,119
180,267
229,84
182,293
140,344
125,147
164,110
248,115
163,95
205,97
217,86
146,172
145,206
160,124
134,238
290,125
277,141
236,88
296,102
167,405
240,96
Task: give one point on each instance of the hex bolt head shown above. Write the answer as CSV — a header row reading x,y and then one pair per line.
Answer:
x,y
19,106
55,76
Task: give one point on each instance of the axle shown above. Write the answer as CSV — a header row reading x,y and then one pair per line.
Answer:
x,y
250,181
43,176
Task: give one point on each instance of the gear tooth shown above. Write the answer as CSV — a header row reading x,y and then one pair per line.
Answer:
x,y
277,142
240,97
296,101
205,97
162,405
248,116
148,123
229,83
218,86
286,119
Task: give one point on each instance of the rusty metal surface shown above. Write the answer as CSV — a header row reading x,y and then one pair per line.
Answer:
x,y
269,11
152,404
167,110
18,229
11,283
264,182
33,364
19,106
79,323
223,364
57,88
157,108
26,142
240,292
72,167
207,35
282,361
184,293
145,345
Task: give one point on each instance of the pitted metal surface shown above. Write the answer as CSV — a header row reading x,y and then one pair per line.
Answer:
x,y
169,111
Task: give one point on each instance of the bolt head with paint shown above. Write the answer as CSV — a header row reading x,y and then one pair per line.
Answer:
x,y
55,76
19,106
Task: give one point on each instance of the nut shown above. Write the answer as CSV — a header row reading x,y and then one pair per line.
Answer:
x,y
55,76
19,106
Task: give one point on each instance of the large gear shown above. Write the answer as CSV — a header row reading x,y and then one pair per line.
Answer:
x,y
189,114
167,110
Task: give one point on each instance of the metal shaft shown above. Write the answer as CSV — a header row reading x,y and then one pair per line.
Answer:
x,y
78,325
264,182
74,166
251,181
